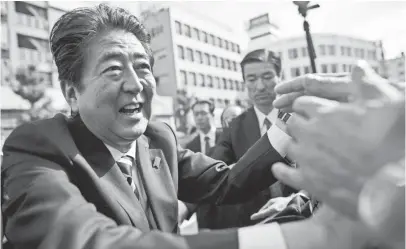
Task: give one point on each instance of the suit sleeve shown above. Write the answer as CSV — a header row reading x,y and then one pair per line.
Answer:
x,y
205,180
223,150
45,210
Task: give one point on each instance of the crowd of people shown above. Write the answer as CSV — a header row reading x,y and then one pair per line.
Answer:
x,y
317,162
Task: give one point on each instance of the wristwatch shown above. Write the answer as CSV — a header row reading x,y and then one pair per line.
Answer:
x,y
283,116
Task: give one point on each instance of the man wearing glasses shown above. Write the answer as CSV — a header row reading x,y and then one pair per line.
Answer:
x,y
261,72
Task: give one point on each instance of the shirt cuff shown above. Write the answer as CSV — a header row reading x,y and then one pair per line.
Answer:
x,y
262,236
279,140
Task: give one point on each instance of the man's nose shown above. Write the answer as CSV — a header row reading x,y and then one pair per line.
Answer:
x,y
132,82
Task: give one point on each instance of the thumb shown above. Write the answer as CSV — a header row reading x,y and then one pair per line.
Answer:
x,y
367,85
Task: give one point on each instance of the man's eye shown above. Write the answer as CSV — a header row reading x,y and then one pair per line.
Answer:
x,y
267,76
251,78
143,66
112,68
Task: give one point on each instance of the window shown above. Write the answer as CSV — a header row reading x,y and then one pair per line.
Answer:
x,y
226,102
219,42
306,69
362,53
214,61
189,54
187,30
334,68
242,86
237,85
373,54
183,79
196,34
344,68
280,55
324,68
226,44
204,37
232,47
304,51
224,83
211,40
342,50
349,51
295,72
230,84
209,81
200,80
238,49
192,78
234,66
199,57
228,65
222,62
207,58
331,50
292,53
322,49
217,82
356,52
181,52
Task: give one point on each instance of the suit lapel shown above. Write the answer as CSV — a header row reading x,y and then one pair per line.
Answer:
x,y
111,178
251,128
158,186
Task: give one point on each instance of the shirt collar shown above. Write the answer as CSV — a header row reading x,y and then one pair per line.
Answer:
x,y
272,116
116,154
211,134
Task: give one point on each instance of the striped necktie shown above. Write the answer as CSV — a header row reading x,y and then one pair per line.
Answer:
x,y
125,163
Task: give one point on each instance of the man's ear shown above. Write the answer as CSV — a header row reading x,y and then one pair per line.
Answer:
x,y
70,93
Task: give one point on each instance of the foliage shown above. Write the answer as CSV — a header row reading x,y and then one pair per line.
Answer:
x,y
31,85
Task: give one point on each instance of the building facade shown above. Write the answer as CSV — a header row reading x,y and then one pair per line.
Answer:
x,y
196,54
261,32
25,38
396,69
335,54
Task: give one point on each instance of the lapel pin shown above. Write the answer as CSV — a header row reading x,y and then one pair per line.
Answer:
x,y
156,163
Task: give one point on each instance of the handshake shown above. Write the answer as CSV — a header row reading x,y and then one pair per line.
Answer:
x,y
348,138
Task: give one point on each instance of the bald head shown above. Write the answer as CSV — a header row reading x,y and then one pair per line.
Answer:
x,y
229,114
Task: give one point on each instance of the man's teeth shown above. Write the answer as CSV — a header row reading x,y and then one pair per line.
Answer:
x,y
131,108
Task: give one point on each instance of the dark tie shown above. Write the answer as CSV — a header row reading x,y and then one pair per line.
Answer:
x,y
125,163
206,144
267,123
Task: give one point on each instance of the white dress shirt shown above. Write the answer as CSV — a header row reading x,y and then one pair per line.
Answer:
x,y
278,138
212,139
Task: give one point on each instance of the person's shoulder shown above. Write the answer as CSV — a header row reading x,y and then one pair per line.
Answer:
x,y
37,130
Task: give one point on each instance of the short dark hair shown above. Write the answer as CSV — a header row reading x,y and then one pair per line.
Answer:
x,y
262,55
74,30
204,101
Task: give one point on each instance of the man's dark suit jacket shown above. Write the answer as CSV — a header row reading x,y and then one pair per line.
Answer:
x,y
195,144
64,189
233,144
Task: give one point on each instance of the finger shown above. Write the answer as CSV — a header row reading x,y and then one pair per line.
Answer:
x,y
293,85
334,88
286,100
296,125
288,175
263,214
309,106
268,204
368,85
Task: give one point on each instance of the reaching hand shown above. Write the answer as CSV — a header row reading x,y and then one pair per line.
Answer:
x,y
272,207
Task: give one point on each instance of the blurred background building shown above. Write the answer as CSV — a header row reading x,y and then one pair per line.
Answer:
x,y
396,68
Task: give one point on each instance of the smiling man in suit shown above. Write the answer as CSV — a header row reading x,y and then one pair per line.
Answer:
x,y
107,177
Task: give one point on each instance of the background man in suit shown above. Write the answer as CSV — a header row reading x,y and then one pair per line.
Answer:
x,y
107,177
203,113
261,71
229,114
